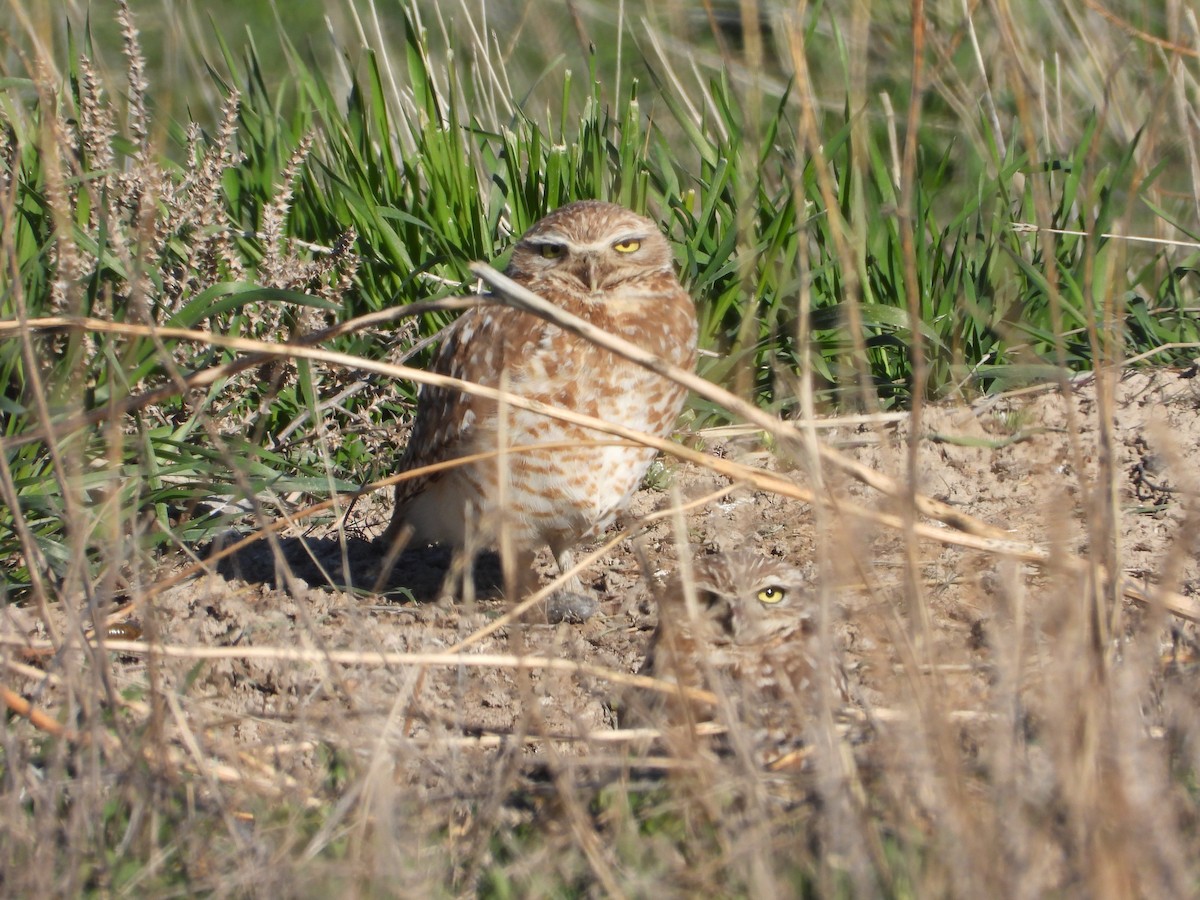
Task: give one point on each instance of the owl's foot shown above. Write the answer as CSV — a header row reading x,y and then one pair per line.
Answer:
x,y
570,606
572,602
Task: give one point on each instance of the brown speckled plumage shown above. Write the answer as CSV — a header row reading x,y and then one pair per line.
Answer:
x,y
753,630
612,268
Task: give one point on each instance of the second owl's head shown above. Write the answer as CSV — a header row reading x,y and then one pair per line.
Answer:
x,y
753,599
590,246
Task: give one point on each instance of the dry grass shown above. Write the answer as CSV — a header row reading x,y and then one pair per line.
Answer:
x,y
1022,720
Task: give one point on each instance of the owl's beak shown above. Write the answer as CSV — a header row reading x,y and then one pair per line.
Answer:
x,y
588,271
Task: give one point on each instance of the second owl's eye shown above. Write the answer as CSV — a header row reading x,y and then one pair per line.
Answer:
x,y
628,246
771,594
551,251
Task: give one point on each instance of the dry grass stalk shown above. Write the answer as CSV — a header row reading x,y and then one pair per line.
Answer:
x,y
965,531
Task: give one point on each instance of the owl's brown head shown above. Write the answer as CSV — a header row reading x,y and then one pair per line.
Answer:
x,y
590,247
752,598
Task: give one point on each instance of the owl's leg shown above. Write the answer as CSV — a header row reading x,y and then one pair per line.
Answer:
x,y
572,602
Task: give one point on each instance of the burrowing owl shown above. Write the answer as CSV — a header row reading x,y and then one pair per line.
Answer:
x,y
613,268
753,638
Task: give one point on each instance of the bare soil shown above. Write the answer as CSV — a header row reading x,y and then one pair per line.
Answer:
x,y
451,740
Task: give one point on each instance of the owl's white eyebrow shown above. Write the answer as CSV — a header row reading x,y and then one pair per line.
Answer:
x,y
562,240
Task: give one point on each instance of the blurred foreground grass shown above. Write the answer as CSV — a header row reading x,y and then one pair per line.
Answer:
x,y
1027,213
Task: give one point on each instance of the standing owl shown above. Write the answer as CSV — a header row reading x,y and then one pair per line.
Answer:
x,y
612,268
753,637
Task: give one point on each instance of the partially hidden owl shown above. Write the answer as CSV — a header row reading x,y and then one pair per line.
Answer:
x,y
752,637
613,268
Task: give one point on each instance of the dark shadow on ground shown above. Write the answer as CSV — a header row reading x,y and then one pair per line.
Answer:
x,y
419,573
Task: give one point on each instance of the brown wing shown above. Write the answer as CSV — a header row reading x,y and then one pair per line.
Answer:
x,y
476,348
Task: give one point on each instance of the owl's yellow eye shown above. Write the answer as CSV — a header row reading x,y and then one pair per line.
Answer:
x,y
628,246
551,251
771,594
